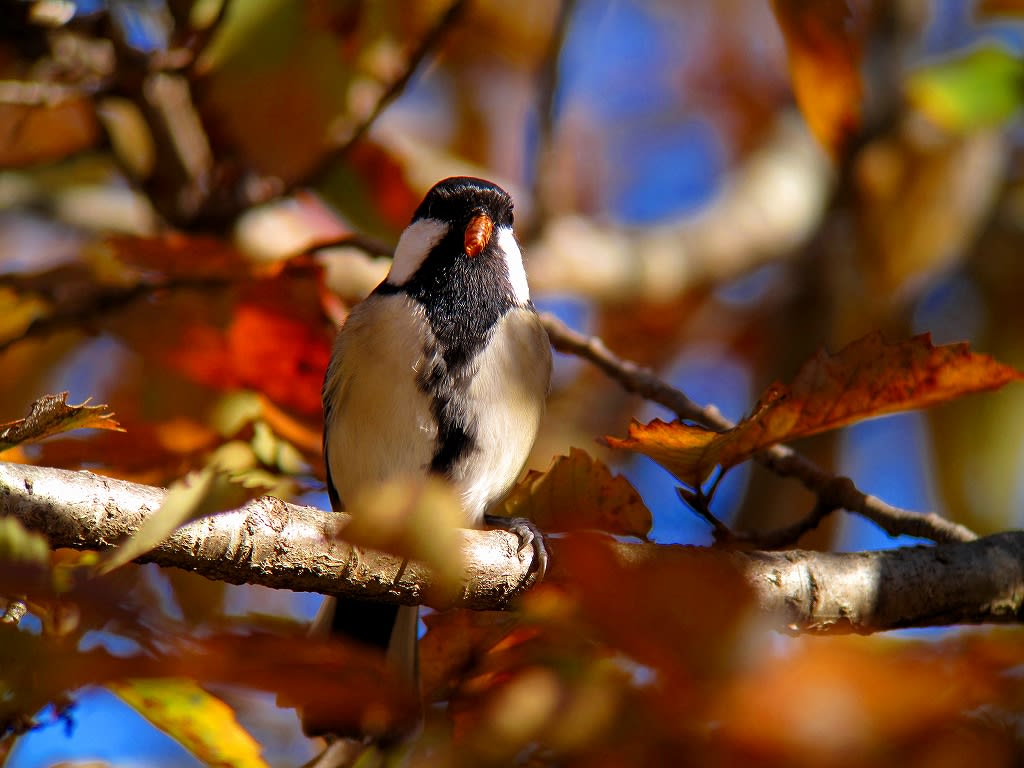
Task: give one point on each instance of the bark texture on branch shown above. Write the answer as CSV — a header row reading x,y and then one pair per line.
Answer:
x,y
275,544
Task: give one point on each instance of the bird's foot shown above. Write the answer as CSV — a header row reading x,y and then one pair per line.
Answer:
x,y
529,536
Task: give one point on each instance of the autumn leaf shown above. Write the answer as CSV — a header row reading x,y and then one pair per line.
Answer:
x,y
49,124
578,491
670,612
351,686
198,720
415,518
178,256
267,335
986,10
455,639
980,89
824,46
18,545
51,415
867,378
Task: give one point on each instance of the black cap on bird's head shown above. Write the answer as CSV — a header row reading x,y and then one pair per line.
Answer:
x,y
458,199
460,242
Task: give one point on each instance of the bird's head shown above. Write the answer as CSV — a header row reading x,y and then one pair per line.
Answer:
x,y
463,225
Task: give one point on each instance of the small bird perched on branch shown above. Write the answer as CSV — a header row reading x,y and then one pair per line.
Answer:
x,y
442,370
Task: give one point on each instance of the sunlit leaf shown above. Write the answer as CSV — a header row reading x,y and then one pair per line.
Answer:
x,y
982,88
577,491
51,415
17,311
43,122
311,72
267,335
415,518
865,379
824,49
198,720
454,639
20,545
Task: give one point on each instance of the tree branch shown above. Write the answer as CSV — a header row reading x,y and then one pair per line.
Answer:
x,y
285,546
833,491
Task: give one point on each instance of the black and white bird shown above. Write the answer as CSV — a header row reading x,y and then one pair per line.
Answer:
x,y
443,369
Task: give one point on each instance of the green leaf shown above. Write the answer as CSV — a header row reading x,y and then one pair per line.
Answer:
x,y
51,415
982,88
20,545
199,721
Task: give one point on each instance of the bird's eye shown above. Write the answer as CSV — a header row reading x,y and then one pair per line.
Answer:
x,y
478,234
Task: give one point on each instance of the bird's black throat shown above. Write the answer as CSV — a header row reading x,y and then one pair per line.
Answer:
x,y
463,299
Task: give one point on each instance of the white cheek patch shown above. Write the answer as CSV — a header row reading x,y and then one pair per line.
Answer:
x,y
413,248
514,264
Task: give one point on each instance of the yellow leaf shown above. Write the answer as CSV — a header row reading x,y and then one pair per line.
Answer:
x,y
201,722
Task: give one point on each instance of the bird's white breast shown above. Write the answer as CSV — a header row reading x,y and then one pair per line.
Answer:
x,y
505,400
379,425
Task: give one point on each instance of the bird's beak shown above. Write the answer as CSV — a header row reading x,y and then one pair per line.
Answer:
x,y
478,234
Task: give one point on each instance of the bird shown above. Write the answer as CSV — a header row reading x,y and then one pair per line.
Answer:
x,y
442,370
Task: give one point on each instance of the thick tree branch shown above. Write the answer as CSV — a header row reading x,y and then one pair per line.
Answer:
x,y
833,492
286,546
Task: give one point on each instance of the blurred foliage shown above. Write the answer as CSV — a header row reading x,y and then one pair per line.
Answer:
x,y
173,173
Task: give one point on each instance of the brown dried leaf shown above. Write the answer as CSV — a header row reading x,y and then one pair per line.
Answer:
x,y
824,47
865,696
453,645
867,378
985,10
51,415
350,687
577,492
49,124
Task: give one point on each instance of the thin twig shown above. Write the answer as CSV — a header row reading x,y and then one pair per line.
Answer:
x,y
547,86
445,23
833,490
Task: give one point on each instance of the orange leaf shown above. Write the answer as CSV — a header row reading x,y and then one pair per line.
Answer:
x,y
986,10
865,379
51,415
454,643
58,125
578,491
824,46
